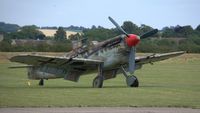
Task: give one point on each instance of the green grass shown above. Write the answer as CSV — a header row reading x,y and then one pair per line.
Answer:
x,y
171,83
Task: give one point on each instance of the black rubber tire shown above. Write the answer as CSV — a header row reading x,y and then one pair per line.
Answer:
x,y
41,82
98,82
132,81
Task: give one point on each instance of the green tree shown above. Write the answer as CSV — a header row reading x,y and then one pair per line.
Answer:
x,y
6,27
28,32
5,44
145,28
76,36
186,31
168,32
60,34
198,28
130,27
98,34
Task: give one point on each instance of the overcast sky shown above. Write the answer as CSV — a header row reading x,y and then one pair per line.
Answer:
x,y
156,13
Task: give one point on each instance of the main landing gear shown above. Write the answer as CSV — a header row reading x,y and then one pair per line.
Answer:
x,y
131,80
98,80
41,82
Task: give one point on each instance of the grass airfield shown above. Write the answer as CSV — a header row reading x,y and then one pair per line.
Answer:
x,y
170,83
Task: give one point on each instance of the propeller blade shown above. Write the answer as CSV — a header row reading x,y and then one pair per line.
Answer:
x,y
132,60
117,25
148,34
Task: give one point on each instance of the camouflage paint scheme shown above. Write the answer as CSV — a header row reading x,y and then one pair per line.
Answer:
x,y
108,58
113,53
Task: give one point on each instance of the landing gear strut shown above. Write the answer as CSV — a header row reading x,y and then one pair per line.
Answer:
x,y
41,82
98,80
132,80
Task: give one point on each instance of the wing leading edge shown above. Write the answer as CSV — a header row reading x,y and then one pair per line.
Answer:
x,y
64,62
54,61
157,57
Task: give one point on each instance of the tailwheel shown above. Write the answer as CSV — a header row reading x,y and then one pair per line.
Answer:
x,y
132,81
41,82
98,82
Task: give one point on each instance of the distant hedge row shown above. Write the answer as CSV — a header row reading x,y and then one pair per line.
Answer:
x,y
147,46
57,47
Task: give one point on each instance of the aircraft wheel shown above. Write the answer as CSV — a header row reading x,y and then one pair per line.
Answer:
x,y
98,82
132,81
41,83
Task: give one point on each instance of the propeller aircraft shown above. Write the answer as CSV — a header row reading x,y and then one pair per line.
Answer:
x,y
108,58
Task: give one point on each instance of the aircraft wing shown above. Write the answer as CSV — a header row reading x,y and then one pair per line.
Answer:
x,y
55,61
157,57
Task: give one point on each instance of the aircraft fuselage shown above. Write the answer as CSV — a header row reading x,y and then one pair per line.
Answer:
x,y
113,57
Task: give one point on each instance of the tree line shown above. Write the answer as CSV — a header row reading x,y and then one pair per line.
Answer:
x,y
173,38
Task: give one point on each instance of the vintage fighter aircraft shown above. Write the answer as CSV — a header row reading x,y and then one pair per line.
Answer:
x,y
108,58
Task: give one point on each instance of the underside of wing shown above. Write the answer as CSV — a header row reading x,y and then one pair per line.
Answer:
x,y
54,61
157,57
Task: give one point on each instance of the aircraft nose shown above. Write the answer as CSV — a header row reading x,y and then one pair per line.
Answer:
x,y
132,40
